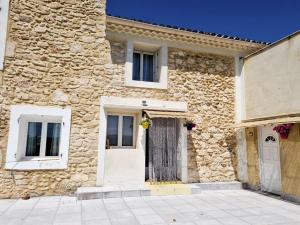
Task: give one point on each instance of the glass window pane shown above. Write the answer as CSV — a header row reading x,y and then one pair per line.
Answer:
x,y
148,73
136,66
112,130
53,139
33,144
127,131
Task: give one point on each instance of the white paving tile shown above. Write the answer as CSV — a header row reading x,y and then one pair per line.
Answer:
x,y
123,213
44,220
94,213
218,214
142,211
207,222
232,221
96,222
5,204
149,219
207,208
124,221
67,218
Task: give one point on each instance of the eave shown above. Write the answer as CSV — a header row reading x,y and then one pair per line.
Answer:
x,y
115,25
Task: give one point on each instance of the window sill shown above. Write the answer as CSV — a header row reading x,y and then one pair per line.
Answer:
x,y
41,164
39,159
145,84
120,149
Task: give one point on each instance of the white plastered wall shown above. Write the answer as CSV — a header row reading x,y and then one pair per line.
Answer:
x,y
239,116
4,5
272,80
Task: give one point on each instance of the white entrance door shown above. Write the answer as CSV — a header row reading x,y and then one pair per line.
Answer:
x,y
270,160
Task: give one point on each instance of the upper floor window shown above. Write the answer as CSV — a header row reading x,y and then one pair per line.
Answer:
x,y
146,65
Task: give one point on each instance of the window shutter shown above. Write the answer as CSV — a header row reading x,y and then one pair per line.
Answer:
x,y
148,67
157,65
4,8
136,66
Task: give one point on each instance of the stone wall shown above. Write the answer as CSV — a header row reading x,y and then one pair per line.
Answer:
x,y
206,83
58,56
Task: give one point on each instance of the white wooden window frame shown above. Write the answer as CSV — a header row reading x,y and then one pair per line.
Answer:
x,y
16,147
162,68
24,131
120,130
142,53
4,12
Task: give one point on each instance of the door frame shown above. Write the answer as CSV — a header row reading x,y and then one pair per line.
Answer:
x,y
260,149
181,153
137,104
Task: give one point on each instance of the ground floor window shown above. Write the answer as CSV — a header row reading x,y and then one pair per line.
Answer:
x,y
120,131
38,138
42,138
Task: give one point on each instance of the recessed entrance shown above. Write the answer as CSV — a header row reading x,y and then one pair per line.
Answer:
x,y
163,156
270,172
122,142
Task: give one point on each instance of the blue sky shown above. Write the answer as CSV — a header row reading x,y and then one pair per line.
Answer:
x,y
258,20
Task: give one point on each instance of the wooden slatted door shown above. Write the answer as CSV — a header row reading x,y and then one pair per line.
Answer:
x,y
162,152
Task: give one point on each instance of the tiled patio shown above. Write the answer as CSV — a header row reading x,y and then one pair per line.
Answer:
x,y
237,207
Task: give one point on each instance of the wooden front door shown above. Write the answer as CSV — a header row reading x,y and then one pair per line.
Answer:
x,y
162,149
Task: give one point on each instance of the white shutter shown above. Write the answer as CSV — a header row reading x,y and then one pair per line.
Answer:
x,y
4,8
157,65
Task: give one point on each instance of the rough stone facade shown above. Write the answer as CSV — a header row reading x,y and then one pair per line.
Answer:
x,y
58,59
206,83
58,56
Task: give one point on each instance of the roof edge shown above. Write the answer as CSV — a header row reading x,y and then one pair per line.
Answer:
x,y
188,31
272,45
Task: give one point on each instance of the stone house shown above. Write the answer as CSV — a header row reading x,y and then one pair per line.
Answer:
x,y
76,85
270,159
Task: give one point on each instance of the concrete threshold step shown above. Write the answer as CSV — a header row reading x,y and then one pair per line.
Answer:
x,y
166,188
86,193
150,189
197,188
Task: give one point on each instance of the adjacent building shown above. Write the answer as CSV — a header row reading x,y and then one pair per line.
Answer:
x,y
270,160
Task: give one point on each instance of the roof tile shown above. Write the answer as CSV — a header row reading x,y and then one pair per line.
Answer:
x,y
194,31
